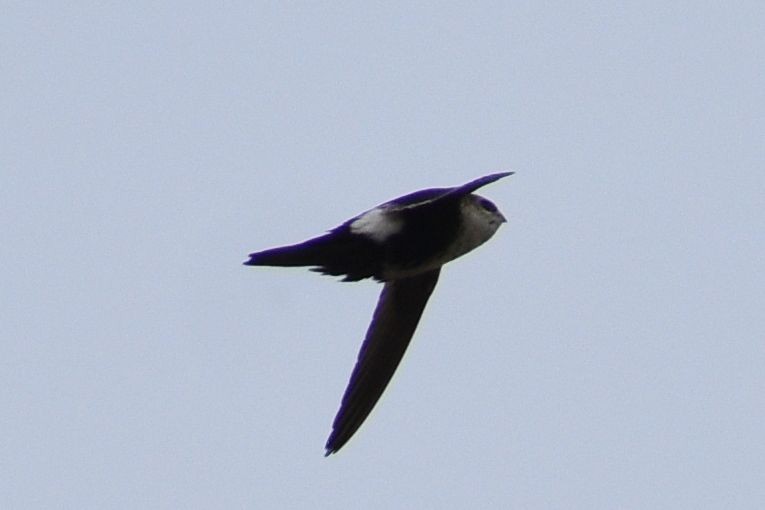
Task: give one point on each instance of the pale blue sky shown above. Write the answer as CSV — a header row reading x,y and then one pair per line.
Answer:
x,y
605,350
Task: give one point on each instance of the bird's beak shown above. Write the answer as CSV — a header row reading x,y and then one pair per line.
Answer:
x,y
502,218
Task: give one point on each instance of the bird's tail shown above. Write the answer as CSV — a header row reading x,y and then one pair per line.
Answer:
x,y
309,253
333,254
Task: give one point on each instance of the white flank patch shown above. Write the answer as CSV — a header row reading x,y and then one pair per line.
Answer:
x,y
377,224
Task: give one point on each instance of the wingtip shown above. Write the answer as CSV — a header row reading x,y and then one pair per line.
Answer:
x,y
488,179
331,448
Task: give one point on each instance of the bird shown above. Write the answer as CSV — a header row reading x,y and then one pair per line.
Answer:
x,y
401,243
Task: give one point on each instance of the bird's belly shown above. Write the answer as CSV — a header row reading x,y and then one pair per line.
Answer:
x,y
397,271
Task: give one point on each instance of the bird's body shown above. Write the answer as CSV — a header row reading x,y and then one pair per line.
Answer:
x,y
403,243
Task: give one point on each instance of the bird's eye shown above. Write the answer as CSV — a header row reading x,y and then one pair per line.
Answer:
x,y
486,204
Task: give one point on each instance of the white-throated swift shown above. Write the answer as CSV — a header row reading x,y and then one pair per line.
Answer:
x,y
402,243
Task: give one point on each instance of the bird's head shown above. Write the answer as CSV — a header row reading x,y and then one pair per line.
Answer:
x,y
480,220
483,210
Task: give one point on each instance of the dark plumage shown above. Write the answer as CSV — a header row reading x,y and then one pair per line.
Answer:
x,y
404,243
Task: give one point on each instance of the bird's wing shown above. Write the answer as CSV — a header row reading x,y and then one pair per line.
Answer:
x,y
398,311
440,197
471,186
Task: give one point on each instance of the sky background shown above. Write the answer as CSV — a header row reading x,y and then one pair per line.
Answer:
x,y
606,349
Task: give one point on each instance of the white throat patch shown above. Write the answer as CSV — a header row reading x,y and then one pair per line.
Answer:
x,y
478,225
